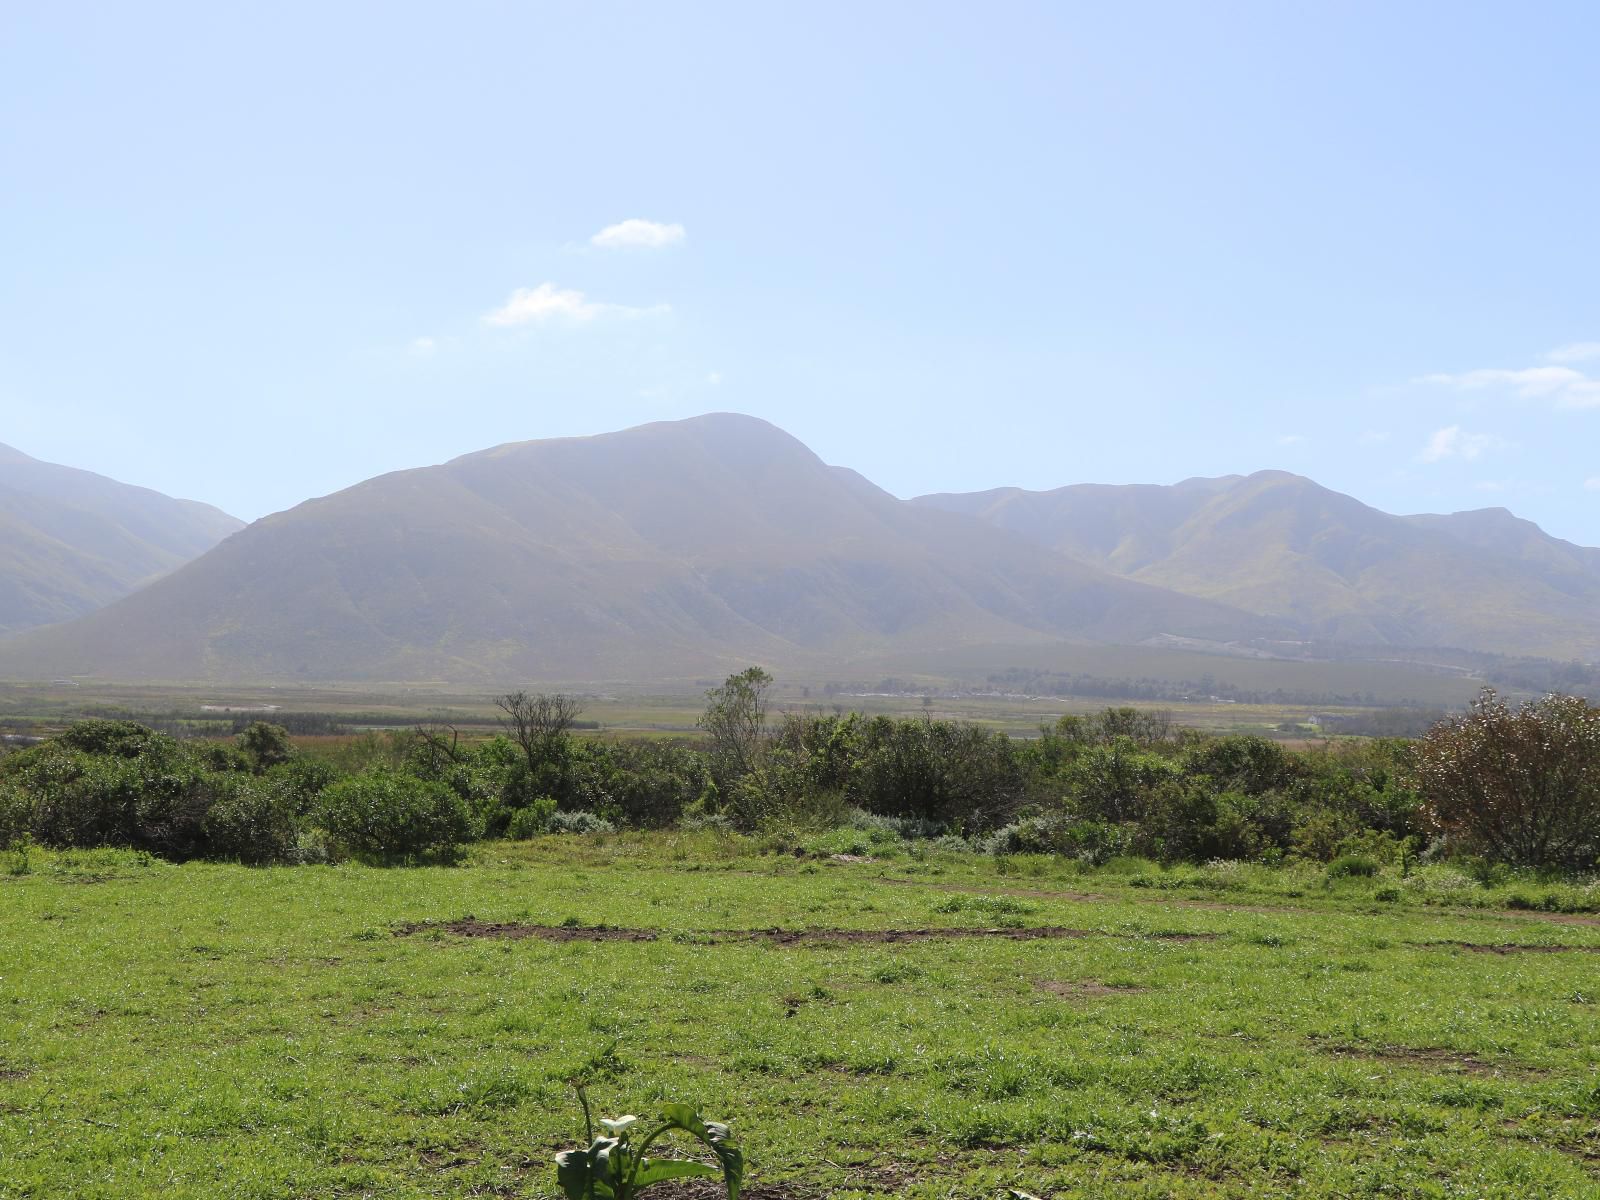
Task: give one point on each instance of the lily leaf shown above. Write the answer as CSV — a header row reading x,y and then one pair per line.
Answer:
x,y
654,1170
684,1117
572,1174
732,1167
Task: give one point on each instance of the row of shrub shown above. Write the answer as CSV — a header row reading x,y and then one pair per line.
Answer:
x,y
1124,783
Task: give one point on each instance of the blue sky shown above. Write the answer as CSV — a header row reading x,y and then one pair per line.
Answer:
x,y
253,256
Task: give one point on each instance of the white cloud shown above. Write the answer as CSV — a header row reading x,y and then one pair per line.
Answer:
x,y
714,378
1454,442
1293,439
635,234
1574,352
547,302
1592,484
1565,386
424,346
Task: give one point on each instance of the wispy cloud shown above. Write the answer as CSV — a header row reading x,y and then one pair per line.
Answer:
x,y
1454,442
423,346
1592,484
548,302
1563,385
1574,352
1293,439
637,234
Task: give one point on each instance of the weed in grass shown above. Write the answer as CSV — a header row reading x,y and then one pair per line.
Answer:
x,y
614,1166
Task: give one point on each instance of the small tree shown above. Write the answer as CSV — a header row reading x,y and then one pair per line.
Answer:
x,y
736,722
1522,787
267,745
539,723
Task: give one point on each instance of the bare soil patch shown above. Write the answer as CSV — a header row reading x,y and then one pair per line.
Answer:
x,y
1511,948
474,928
1423,1056
711,1189
1072,990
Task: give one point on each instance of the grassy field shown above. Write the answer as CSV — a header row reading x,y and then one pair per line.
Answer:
x,y
42,709
210,1030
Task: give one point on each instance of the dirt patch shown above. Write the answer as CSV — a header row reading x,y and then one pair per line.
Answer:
x,y
1071,990
1510,948
1422,1056
894,937
472,927
7,1074
711,1189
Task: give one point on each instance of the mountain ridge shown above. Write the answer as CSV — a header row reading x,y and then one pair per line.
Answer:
x,y
73,540
1279,544
673,548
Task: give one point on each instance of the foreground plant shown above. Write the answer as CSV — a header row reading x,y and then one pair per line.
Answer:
x,y
616,1167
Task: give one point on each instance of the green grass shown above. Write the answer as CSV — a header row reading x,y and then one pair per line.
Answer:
x,y
209,1031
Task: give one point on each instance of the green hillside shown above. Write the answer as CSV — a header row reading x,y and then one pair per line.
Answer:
x,y
72,541
1280,545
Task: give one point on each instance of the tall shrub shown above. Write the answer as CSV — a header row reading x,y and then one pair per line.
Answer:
x,y
1519,786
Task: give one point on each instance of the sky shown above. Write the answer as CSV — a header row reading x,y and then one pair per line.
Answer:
x,y
254,254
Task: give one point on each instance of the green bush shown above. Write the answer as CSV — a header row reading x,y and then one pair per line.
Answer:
x,y
115,739
387,815
531,820
577,822
643,784
957,775
16,814
143,790
1352,866
1246,764
265,745
253,819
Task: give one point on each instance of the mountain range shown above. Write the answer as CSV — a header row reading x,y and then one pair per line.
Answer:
x,y
669,550
680,550
72,541
1283,546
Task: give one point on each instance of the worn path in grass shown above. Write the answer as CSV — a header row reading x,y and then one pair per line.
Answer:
x,y
204,1030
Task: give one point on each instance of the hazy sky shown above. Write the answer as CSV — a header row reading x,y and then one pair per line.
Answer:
x,y
253,256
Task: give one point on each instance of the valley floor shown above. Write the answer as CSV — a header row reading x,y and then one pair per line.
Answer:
x,y
947,1025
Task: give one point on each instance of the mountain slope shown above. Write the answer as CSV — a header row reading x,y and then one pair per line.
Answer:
x,y
1281,545
676,549
72,541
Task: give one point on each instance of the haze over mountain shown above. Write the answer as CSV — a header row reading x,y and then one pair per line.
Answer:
x,y
72,541
671,550
1281,545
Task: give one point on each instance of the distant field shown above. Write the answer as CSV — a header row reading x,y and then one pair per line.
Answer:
x,y
1394,682
203,1030
28,708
